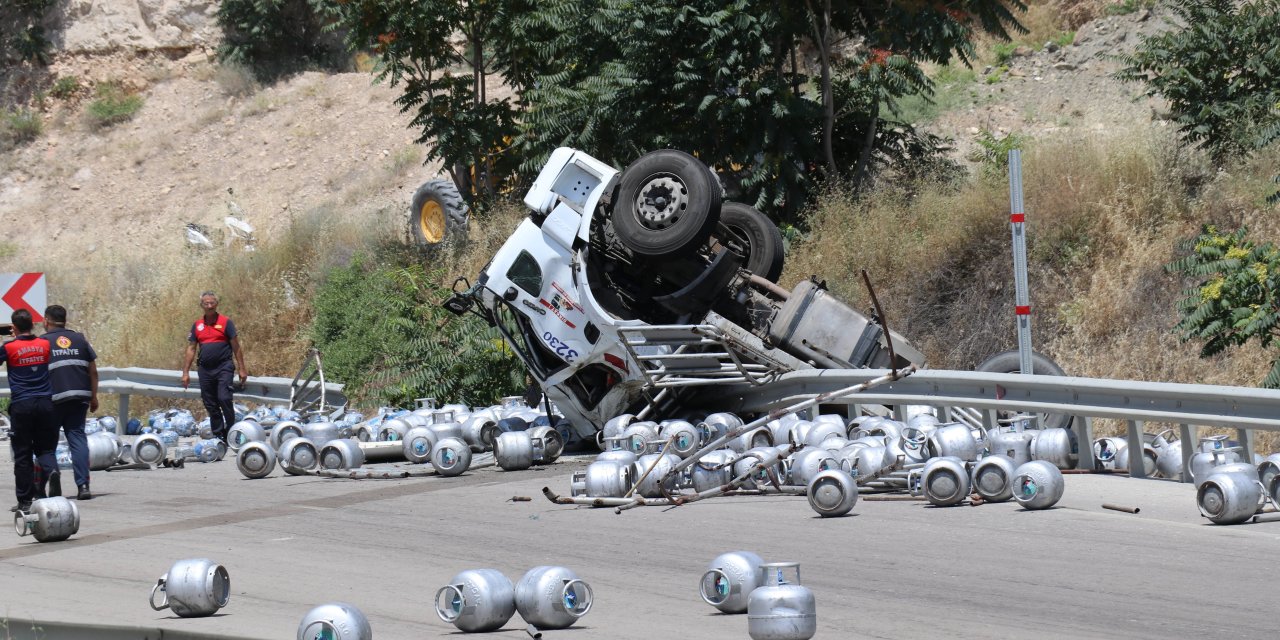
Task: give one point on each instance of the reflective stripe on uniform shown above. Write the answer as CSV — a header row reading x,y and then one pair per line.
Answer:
x,y
68,363
78,393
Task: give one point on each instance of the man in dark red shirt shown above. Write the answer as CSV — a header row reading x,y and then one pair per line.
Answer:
x,y
32,427
215,336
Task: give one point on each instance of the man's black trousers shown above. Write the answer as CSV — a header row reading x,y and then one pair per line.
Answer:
x,y
215,392
33,432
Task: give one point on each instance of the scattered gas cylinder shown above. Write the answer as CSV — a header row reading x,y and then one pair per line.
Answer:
x,y
418,443
1059,447
451,457
335,621
193,588
515,450
953,440
1037,485
781,610
1229,498
243,433
832,493
552,597
730,579
48,520
477,600
148,449
944,481
284,430
552,444
992,478
298,456
256,460
343,453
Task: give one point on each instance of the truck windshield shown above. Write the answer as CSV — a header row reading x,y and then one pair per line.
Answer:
x,y
520,335
526,274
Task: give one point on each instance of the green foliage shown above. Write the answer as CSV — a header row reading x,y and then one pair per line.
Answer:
x,y
1003,52
65,87
993,152
953,86
1218,72
1235,297
112,105
383,332
275,38
1065,39
19,127
22,34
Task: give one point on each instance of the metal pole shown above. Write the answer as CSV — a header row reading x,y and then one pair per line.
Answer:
x,y
1018,222
1188,450
1137,457
123,420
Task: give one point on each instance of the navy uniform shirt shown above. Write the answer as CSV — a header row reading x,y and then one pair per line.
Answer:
x,y
69,360
214,340
28,360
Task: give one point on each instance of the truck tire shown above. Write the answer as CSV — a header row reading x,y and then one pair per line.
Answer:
x,y
437,213
1041,365
762,240
667,204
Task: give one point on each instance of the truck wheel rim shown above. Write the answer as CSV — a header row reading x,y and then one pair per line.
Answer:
x,y
431,221
662,201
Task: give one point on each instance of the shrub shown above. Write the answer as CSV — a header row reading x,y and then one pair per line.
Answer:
x,y
235,79
274,38
112,105
19,127
65,87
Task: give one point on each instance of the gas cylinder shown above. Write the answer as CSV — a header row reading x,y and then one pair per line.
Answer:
x,y
244,432
477,600
298,456
1106,450
779,609
335,621
615,426
750,459
418,443
451,457
712,470
104,450
718,424
637,436
1168,455
1012,440
480,430
661,464
514,451
1229,498
1059,447
392,430
552,597
992,478
1269,469
193,588
148,449
954,440
832,493
607,479
1037,485
751,439
682,436
822,431
284,430
256,460
552,444
868,461
1213,453
342,453
944,481
807,463
730,579
48,520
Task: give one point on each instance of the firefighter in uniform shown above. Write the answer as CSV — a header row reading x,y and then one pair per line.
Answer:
x,y
32,430
73,374
214,335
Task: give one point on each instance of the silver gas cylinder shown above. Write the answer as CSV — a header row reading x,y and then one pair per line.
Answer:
x,y
807,463
451,457
450,414
1269,469
716,425
514,450
284,430
782,428
992,478
104,450
1168,455
1059,447
751,439
637,436
682,436
1243,468
48,520
730,579
480,430
298,456
614,451
392,430
477,600
193,588
943,481
822,431
834,446
447,430
210,450
1212,454
1229,498
244,432
1012,440
1037,485
751,458
418,443
614,427
712,470
343,453
661,464
552,597
1107,450
954,440
108,424
552,444
1124,459
607,479
321,432
912,445
148,449
868,461
335,621
832,493
256,460
781,609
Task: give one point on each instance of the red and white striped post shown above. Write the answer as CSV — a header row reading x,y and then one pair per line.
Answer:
x,y
1018,223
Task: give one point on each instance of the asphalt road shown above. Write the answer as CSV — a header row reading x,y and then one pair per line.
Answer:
x,y
890,570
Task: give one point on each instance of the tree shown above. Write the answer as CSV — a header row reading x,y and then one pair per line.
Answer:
x,y
1218,71
1237,296
273,38
22,36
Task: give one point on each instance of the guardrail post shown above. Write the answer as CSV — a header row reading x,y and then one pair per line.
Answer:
x,y
851,411
1137,459
1084,440
944,414
1188,450
122,420
1245,437
989,419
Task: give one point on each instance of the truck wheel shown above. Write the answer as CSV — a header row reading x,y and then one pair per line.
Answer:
x,y
437,213
1041,365
667,204
757,235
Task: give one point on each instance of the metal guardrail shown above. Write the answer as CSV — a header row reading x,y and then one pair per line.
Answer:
x,y
1187,405
165,383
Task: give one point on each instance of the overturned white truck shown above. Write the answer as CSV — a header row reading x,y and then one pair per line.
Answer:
x,y
632,291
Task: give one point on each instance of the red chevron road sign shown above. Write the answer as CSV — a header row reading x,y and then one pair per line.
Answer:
x,y
22,291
